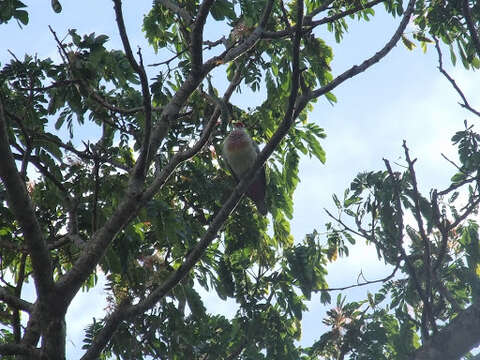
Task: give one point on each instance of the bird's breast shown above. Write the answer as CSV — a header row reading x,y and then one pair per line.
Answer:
x,y
240,157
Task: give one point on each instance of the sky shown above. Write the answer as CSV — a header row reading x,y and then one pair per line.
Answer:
x,y
404,97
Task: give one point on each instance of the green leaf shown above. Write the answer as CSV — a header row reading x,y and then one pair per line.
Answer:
x,y
408,44
315,148
222,9
453,58
325,297
458,177
22,16
56,6
331,98
476,62
336,201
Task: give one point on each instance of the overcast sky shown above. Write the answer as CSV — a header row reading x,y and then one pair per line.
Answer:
x,y
402,97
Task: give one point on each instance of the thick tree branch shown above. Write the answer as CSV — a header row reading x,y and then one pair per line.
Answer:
x,y
15,301
16,349
455,340
22,208
196,41
33,329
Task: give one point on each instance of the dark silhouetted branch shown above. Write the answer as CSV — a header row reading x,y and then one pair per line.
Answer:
x,y
15,301
20,204
467,13
465,104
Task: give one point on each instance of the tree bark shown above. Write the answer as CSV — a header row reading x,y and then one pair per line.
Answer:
x,y
455,340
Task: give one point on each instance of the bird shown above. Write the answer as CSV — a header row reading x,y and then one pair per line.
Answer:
x,y
240,152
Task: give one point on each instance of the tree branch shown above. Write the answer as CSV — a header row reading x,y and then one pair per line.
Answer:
x,y
141,165
455,340
14,301
16,349
426,242
323,7
196,41
345,13
470,208
365,282
356,69
310,24
467,13
251,40
20,204
410,268
465,104
443,231
175,8
17,333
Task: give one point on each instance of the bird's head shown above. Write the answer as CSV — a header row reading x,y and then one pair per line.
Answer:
x,y
238,130
238,125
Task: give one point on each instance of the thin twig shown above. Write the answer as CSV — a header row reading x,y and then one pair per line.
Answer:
x,y
366,282
465,104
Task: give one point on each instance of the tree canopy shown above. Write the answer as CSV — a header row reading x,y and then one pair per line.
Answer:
x,y
146,199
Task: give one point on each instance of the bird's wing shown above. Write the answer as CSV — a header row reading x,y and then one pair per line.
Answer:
x,y
231,171
228,165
